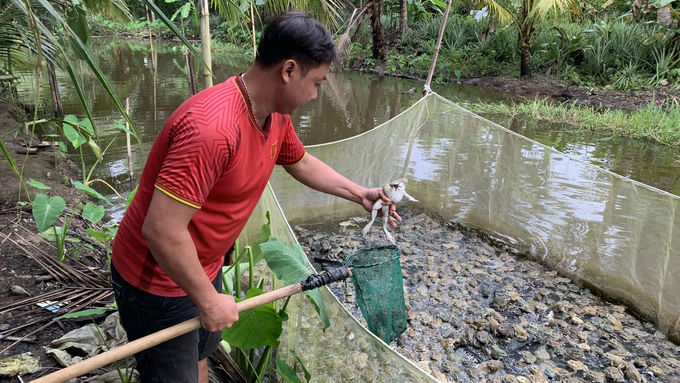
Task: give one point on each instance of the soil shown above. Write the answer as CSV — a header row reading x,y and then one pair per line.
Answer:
x,y
21,257
546,86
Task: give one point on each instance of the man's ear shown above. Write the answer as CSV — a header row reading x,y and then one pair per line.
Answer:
x,y
287,69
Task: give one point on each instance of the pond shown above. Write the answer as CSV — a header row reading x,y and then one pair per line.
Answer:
x,y
348,104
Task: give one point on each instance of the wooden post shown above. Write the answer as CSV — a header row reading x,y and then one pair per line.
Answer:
x,y
426,89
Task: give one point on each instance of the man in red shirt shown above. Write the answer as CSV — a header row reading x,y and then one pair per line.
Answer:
x,y
205,173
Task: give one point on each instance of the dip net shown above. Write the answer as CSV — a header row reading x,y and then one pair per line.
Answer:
x,y
379,287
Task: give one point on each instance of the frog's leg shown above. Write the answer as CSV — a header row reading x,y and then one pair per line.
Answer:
x,y
385,218
374,213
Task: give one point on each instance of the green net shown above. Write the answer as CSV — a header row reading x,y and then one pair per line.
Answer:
x,y
379,287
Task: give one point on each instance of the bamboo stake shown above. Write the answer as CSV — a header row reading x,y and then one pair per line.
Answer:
x,y
127,140
426,88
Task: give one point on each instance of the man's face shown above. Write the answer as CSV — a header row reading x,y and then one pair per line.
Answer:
x,y
302,89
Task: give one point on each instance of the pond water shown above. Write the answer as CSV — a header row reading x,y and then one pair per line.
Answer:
x,y
348,104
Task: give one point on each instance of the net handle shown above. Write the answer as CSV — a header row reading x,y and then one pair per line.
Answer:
x,y
141,344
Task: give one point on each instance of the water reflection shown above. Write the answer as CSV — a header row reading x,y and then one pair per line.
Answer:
x,y
348,104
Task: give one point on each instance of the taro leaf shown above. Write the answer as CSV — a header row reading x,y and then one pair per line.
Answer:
x,y
290,266
73,136
46,210
89,191
86,125
255,328
308,376
38,184
122,127
286,372
98,235
93,212
52,234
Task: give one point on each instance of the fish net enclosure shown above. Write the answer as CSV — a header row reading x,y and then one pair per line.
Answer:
x,y
379,287
613,234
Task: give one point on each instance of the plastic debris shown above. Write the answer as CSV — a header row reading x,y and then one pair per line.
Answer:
x,y
87,341
19,365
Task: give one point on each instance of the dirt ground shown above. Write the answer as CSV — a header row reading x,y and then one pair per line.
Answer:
x,y
23,254
546,86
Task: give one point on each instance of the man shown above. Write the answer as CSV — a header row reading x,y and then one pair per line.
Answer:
x,y
204,175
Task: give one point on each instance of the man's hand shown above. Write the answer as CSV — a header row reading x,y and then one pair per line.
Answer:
x,y
221,312
372,195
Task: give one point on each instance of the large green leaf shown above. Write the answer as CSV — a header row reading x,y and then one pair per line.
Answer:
x,y
286,372
291,266
89,191
73,136
255,328
93,212
46,210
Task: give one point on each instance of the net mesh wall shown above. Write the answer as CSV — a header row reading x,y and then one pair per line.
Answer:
x,y
618,235
345,352
379,287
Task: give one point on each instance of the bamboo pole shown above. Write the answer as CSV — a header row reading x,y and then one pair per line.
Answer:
x,y
426,88
157,338
127,139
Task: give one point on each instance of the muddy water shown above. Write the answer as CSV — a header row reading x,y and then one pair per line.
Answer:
x,y
348,104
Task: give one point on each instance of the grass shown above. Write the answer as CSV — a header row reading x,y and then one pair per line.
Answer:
x,y
660,124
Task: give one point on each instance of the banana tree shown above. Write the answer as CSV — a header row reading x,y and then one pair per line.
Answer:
x,y
525,16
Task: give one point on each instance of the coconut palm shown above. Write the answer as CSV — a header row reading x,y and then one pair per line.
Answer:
x,y
525,15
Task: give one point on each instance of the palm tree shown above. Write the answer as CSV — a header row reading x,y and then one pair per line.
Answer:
x,y
525,15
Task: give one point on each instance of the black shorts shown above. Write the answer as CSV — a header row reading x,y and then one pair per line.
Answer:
x,y
143,313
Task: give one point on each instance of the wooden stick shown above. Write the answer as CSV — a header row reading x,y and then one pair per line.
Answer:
x,y
157,338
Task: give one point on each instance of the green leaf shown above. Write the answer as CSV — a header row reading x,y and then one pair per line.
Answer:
x,y
131,196
89,191
83,313
52,234
255,328
98,235
286,372
38,184
86,125
73,136
95,149
46,210
93,212
230,276
122,127
308,375
291,266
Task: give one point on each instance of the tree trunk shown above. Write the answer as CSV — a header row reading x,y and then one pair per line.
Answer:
x,y
205,43
403,17
378,32
525,64
526,31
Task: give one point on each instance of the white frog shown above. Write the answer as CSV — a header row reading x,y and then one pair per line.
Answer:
x,y
395,191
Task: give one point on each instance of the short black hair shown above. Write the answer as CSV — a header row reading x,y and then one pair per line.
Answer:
x,y
295,35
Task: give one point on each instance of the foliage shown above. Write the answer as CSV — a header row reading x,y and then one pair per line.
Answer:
x,y
262,326
652,122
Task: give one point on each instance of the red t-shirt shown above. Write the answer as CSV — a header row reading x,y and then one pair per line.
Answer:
x,y
212,156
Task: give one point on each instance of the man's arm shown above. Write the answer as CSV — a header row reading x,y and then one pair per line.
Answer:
x,y
166,232
317,175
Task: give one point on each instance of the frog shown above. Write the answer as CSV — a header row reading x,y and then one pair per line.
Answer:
x,y
395,191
